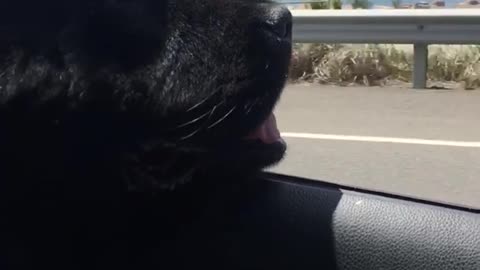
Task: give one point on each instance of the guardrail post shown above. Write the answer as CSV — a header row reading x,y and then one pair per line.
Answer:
x,y
420,65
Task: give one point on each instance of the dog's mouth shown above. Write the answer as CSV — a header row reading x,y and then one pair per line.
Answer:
x,y
261,148
267,132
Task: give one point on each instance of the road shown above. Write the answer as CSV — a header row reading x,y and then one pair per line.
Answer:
x,y
419,143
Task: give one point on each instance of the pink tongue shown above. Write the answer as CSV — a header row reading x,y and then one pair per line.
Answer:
x,y
267,132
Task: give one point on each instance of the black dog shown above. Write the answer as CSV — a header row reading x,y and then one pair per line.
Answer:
x,y
114,115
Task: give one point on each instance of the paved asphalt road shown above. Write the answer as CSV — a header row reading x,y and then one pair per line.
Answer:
x,y
417,168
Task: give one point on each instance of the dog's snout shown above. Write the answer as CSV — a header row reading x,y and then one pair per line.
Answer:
x,y
278,20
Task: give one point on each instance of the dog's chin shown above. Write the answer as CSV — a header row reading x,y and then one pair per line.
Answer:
x,y
249,156
261,148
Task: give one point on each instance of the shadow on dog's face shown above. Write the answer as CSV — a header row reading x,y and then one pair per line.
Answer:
x,y
169,87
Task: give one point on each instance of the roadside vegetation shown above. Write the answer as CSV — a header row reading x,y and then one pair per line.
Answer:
x,y
373,65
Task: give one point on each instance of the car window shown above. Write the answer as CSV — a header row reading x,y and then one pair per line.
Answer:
x,y
350,113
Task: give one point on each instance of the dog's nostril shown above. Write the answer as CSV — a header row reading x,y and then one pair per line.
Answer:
x,y
279,21
282,30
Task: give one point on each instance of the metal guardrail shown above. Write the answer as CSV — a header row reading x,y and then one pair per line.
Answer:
x,y
394,26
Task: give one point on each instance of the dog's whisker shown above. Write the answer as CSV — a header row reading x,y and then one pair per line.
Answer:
x,y
210,113
250,106
223,118
194,120
191,134
204,100
199,103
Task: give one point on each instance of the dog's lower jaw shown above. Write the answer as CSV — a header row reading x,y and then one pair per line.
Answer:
x,y
154,178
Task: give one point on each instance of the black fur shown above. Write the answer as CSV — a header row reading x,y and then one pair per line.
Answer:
x,y
105,105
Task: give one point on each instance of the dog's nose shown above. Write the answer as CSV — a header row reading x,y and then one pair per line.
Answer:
x,y
278,20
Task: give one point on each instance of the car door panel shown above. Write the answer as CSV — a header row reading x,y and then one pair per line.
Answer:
x,y
280,222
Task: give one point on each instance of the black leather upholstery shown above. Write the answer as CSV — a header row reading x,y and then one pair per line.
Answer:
x,y
377,233
272,223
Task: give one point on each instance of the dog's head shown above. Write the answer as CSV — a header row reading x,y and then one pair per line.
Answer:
x,y
188,83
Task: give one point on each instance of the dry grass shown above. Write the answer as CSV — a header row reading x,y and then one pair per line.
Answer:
x,y
379,64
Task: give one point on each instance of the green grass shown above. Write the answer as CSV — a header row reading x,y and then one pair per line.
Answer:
x,y
381,64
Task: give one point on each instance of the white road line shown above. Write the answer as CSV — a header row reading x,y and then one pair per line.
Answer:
x,y
379,139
